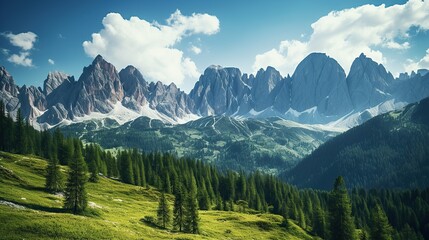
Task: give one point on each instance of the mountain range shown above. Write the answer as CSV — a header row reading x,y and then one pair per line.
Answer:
x,y
318,92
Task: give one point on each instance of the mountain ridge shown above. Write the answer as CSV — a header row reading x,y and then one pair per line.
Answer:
x,y
319,92
389,150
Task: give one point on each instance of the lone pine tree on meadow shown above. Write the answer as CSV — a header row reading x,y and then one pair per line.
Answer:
x,y
75,195
340,212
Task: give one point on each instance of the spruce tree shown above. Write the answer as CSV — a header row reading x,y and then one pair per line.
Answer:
x,y
93,158
191,224
163,212
179,207
341,221
319,223
54,180
75,195
19,133
380,227
126,168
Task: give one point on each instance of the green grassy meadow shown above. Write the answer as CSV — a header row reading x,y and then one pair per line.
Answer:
x,y
115,211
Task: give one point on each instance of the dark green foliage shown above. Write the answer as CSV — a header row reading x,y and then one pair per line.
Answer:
x,y
54,180
319,223
192,220
92,157
20,137
387,151
341,222
126,167
163,212
75,194
179,207
380,227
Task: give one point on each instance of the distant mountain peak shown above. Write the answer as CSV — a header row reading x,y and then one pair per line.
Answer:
x,y
98,59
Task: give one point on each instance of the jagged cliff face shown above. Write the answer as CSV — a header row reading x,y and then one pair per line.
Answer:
x,y
97,90
8,91
368,83
219,91
317,92
319,81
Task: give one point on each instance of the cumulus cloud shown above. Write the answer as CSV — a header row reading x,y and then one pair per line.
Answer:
x,y
196,50
345,34
50,61
151,46
21,59
25,41
423,63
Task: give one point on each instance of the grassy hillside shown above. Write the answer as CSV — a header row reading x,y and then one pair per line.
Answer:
x,y
115,211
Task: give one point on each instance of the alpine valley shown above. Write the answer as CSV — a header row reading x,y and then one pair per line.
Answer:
x,y
237,121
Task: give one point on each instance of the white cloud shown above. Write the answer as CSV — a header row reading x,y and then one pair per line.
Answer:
x,y
196,50
23,40
151,46
50,61
423,63
21,59
395,45
345,34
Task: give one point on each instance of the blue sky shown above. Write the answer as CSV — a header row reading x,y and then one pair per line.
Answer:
x,y
174,41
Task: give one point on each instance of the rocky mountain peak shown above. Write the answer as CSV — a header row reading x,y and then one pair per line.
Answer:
x,y
54,80
7,84
368,82
319,81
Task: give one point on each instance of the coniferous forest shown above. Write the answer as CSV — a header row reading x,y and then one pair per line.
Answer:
x,y
337,214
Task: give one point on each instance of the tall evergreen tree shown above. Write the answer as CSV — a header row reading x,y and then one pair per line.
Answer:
x,y
93,158
19,133
75,195
192,220
179,207
319,223
341,221
380,227
126,168
54,179
163,212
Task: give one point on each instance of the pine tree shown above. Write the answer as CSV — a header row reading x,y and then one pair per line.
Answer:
x,y
319,223
380,227
163,212
341,221
167,183
19,133
126,168
203,197
93,158
191,224
179,207
54,180
75,195
301,219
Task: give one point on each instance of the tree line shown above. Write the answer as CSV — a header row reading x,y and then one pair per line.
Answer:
x,y
199,186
